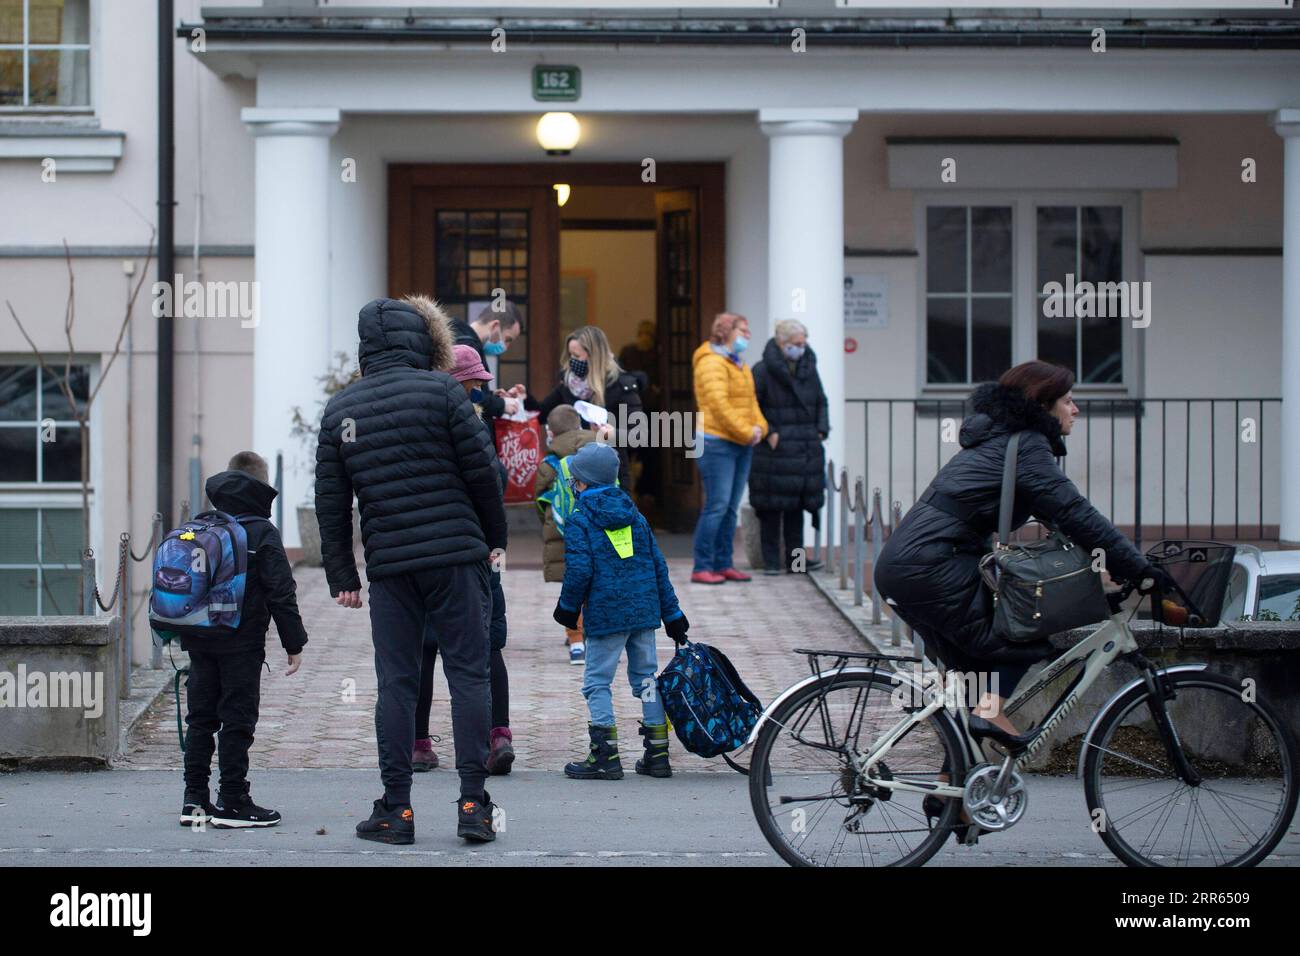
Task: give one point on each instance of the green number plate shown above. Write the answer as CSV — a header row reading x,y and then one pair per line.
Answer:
x,y
556,83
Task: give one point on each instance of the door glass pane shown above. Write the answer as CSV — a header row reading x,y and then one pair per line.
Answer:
x,y
945,336
18,393
1057,245
945,249
61,536
18,536
61,593
990,249
62,456
1101,252
11,77
990,338
18,592
18,454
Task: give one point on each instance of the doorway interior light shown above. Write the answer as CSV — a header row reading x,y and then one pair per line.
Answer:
x,y
558,133
562,191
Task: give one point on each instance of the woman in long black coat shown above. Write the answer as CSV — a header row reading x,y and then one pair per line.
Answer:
x,y
788,473
929,568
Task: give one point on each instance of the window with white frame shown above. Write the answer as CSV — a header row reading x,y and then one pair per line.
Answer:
x,y
44,54
987,268
40,490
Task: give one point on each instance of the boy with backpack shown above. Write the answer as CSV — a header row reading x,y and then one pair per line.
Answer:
x,y
615,574
224,683
555,501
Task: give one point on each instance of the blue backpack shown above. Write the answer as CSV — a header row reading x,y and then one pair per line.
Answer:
x,y
199,574
711,709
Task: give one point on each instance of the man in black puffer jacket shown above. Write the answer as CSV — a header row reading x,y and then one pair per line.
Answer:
x,y
929,568
405,440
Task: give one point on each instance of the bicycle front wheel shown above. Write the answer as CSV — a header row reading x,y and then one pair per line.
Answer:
x,y
815,809
1236,813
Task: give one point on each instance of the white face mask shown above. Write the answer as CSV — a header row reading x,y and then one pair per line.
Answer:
x,y
794,352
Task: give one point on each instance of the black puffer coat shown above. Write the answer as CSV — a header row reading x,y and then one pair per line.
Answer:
x,y
929,568
420,461
793,477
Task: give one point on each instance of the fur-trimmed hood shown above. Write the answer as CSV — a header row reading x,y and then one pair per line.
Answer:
x,y
410,332
1001,410
438,322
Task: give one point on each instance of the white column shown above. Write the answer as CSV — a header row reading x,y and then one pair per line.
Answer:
x,y
1287,124
291,233
805,239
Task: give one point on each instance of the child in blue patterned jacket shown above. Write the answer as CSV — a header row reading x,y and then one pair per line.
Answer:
x,y
616,575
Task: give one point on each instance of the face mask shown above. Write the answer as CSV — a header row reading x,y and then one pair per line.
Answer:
x,y
741,344
794,352
476,396
578,367
494,348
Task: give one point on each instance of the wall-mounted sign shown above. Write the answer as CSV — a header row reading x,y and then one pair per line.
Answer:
x,y
553,84
850,345
866,301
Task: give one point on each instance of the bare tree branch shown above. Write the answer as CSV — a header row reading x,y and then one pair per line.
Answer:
x,y
126,321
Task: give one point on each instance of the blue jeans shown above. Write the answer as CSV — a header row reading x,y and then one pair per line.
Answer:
x,y
724,468
602,661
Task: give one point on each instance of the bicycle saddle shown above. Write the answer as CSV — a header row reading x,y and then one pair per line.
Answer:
x,y
980,729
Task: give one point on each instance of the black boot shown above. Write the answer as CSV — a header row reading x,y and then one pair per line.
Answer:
x,y
602,761
387,824
655,762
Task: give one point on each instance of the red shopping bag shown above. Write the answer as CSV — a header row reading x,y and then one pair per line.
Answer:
x,y
519,446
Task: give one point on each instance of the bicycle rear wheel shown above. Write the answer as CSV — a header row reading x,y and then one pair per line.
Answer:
x,y
1234,816
811,805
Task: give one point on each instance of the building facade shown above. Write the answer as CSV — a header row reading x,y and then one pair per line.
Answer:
x,y
926,190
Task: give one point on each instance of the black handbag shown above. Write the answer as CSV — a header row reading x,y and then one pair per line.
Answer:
x,y
1041,588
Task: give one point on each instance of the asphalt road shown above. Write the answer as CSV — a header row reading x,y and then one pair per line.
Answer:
x,y
128,817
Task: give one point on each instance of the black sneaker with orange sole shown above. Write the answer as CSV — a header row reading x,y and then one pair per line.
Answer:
x,y
394,825
474,819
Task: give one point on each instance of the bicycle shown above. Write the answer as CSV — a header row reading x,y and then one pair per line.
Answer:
x,y
1141,774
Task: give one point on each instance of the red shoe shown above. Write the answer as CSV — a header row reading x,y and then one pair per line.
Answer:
x,y
423,758
707,577
731,574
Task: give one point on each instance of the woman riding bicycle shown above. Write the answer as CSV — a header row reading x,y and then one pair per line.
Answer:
x,y
929,569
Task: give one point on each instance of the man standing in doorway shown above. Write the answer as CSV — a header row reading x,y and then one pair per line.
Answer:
x,y
490,333
404,439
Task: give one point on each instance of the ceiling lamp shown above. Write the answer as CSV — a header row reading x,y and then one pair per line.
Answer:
x,y
558,133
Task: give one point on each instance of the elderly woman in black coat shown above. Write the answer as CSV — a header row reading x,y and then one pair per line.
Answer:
x,y
788,474
929,568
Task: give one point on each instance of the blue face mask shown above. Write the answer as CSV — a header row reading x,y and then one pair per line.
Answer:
x,y
494,348
741,344
794,352
476,396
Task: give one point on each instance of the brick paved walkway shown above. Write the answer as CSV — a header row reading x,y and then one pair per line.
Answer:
x,y
323,715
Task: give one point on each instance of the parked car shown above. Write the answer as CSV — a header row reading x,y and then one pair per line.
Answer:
x,y
1263,586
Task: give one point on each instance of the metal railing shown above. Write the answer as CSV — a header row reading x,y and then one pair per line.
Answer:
x,y
866,528
1195,466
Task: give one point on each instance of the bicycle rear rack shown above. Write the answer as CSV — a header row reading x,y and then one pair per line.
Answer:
x,y
840,659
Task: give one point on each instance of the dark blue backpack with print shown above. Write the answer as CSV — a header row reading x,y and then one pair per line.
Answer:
x,y
711,709
199,573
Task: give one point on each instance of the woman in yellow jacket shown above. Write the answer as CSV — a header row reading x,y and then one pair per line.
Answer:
x,y
730,426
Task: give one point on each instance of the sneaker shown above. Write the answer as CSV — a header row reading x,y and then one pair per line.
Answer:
x,y
731,574
707,577
501,751
771,571
197,812
474,819
393,825
422,757
243,814
577,653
